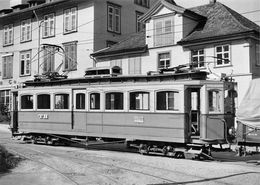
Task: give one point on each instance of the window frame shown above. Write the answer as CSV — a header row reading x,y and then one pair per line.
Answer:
x,y
21,100
48,59
7,72
5,95
139,25
8,35
81,103
176,107
28,30
121,105
159,60
143,3
137,65
50,102
90,102
26,60
114,16
198,55
70,16
142,105
161,39
55,102
218,101
50,17
223,58
68,60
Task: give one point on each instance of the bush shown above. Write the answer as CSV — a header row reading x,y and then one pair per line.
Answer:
x,y
7,160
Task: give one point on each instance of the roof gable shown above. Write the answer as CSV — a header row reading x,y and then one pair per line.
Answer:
x,y
221,21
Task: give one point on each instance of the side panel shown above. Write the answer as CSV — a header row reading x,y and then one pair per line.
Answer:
x,y
213,127
247,135
159,126
52,121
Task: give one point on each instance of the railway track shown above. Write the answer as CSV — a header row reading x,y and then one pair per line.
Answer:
x,y
141,169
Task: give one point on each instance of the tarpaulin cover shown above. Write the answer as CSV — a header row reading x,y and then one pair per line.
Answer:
x,y
249,109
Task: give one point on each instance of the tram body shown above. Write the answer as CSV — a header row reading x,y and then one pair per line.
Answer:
x,y
172,108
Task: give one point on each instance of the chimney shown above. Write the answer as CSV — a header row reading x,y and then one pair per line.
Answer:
x,y
212,1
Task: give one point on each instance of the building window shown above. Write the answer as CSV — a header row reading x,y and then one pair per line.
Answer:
x,y
223,55
134,65
94,101
8,35
61,101
5,99
139,25
70,62
257,54
48,59
114,18
167,100
164,60
197,58
25,63
8,67
214,101
114,101
27,102
70,20
139,101
49,25
164,34
80,101
144,3
26,30
43,101
110,43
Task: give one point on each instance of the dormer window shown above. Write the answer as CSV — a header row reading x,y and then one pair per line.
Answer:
x,y
144,3
163,31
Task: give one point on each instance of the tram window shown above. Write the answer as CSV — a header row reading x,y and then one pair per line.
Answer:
x,y
27,102
214,101
167,100
139,101
80,101
95,101
44,101
114,101
61,101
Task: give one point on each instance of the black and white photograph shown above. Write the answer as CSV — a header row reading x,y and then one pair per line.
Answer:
x,y
129,92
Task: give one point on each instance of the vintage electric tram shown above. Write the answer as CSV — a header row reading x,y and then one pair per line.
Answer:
x,y
159,112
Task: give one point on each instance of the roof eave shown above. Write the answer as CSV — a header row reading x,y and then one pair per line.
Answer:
x,y
248,34
120,52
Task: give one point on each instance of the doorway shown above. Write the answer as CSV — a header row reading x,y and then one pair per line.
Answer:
x,y
193,110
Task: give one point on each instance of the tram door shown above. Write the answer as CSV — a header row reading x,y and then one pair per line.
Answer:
x,y
78,116
193,109
14,113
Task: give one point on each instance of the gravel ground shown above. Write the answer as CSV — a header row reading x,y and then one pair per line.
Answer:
x,y
79,166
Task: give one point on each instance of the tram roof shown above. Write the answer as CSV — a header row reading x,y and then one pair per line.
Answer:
x,y
200,75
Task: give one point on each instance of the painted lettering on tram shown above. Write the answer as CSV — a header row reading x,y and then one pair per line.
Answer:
x,y
43,116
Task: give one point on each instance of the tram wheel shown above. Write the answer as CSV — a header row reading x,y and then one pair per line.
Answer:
x,y
144,149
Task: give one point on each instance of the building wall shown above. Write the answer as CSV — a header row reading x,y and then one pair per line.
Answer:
x,y
83,37
239,69
128,21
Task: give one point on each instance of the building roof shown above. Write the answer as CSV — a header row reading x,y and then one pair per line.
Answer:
x,y
134,43
221,22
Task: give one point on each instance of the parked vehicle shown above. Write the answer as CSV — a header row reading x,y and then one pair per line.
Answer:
x,y
160,112
248,118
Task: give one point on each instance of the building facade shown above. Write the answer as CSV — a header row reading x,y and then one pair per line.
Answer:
x,y
210,37
41,36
